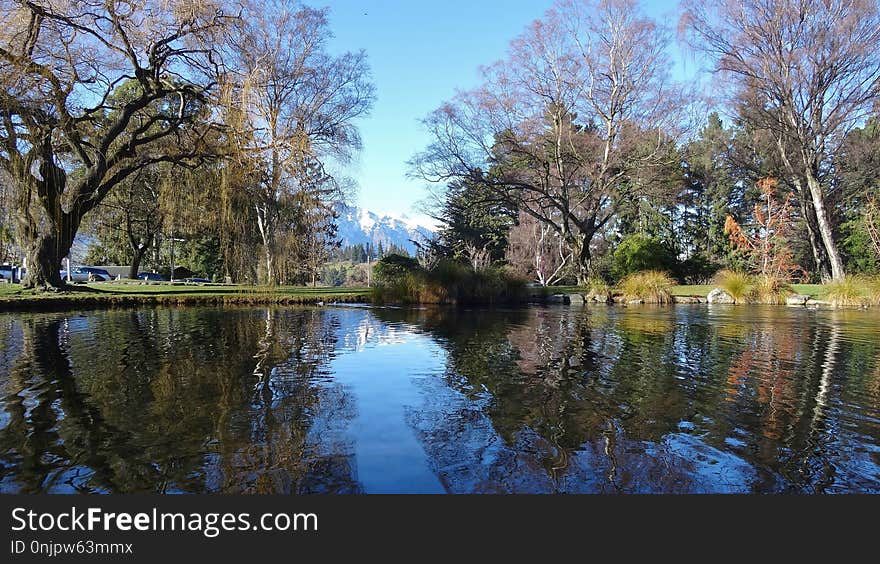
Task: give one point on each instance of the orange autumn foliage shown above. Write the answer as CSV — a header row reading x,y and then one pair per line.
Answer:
x,y
765,244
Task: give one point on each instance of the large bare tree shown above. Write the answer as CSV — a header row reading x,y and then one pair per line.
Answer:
x,y
65,140
293,103
809,71
559,127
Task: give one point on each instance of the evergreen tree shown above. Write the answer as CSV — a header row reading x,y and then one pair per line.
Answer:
x,y
474,220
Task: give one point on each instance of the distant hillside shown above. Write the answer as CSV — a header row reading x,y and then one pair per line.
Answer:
x,y
361,226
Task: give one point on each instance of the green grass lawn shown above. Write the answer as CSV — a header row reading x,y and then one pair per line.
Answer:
x,y
812,290
123,288
12,295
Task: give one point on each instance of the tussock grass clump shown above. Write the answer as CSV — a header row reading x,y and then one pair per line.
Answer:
x,y
599,290
769,290
598,285
650,286
851,291
872,290
737,284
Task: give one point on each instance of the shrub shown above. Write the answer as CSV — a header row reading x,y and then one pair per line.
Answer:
x,y
601,267
849,291
333,275
598,286
598,290
394,266
697,269
639,253
737,284
650,286
769,290
446,282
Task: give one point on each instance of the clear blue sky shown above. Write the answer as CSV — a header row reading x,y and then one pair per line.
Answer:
x,y
420,52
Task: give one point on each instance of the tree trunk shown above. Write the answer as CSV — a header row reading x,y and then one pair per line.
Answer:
x,y
820,257
582,257
270,265
266,226
829,261
47,235
825,230
45,228
136,258
44,256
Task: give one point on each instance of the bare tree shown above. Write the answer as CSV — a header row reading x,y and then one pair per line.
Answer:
x,y
582,100
294,103
65,142
810,70
537,251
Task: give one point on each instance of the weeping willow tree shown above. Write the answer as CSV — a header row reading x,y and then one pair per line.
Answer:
x,y
293,106
239,239
7,220
309,232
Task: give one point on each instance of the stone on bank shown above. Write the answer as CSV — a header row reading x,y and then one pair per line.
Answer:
x,y
719,296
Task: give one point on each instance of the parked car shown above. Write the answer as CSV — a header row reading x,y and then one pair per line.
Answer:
x,y
196,281
87,274
10,274
150,276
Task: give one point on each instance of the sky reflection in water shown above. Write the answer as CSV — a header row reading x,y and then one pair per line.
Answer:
x,y
353,400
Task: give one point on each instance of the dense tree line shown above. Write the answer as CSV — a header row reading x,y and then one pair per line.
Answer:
x,y
207,129
579,157
360,253
208,122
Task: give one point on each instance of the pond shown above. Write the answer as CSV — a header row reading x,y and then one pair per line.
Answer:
x,y
359,400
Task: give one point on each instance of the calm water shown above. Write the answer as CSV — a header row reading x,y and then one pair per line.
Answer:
x,y
350,400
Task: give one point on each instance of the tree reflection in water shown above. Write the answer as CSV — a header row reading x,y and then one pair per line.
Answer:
x,y
654,400
170,400
597,399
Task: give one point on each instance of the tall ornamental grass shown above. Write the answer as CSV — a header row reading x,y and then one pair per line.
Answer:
x,y
649,286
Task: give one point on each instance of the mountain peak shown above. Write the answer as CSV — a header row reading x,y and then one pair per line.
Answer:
x,y
358,225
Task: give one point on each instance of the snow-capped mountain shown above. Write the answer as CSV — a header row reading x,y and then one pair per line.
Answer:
x,y
80,247
360,226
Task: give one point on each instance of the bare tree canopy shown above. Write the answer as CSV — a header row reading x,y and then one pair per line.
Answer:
x,y
582,101
293,107
808,71
68,135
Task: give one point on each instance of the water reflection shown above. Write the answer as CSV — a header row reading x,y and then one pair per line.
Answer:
x,y
172,401
300,400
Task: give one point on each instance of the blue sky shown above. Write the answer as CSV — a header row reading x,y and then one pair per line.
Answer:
x,y
420,52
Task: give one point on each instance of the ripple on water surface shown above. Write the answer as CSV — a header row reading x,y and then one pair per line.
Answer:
x,y
352,400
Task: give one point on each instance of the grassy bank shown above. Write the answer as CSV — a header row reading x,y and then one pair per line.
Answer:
x,y
13,297
812,290
103,295
701,291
